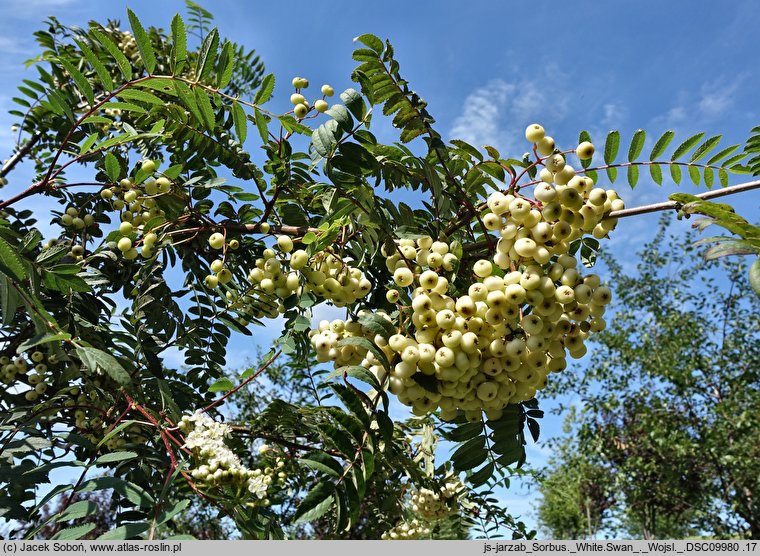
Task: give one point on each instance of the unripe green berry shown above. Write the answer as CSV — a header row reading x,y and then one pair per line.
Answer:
x,y
534,132
300,110
327,90
585,150
148,166
403,277
392,296
285,244
224,275
216,240
124,244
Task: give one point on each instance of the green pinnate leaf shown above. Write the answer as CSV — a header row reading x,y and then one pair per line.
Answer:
x,y
675,173
661,144
754,276
94,359
81,81
325,137
322,462
143,42
126,531
207,56
709,176
656,172
226,65
125,67
723,177
204,106
637,144
686,146
358,372
261,120
372,42
221,385
97,65
354,101
10,262
694,174
633,176
179,44
265,91
74,533
470,454
481,476
342,116
142,96
377,325
611,146
729,248
466,432
723,153
705,148
78,510
112,166
240,121
316,503
115,457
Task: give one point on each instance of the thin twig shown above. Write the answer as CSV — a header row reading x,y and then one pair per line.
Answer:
x,y
19,155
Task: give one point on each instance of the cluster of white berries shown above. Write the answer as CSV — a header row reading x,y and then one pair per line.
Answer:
x,y
526,309
76,221
219,465
301,105
282,271
428,507
137,206
128,45
34,367
325,340
432,506
407,531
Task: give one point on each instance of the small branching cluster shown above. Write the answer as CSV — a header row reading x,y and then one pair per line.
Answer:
x,y
217,465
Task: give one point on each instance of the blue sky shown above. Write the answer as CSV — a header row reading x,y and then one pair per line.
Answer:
x,y
488,69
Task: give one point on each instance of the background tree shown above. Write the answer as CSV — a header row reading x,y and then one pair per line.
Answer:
x,y
667,403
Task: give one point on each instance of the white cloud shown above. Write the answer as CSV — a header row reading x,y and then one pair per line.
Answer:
x,y
691,109
614,115
35,9
480,120
497,113
717,97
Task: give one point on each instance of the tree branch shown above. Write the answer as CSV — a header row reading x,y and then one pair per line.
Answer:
x,y
19,155
672,205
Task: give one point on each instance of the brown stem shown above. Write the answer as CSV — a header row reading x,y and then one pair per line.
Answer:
x,y
19,155
673,205
244,383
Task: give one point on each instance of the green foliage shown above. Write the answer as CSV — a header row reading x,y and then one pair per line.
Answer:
x,y
663,442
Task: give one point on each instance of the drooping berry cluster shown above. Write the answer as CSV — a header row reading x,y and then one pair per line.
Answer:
x,y
480,347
